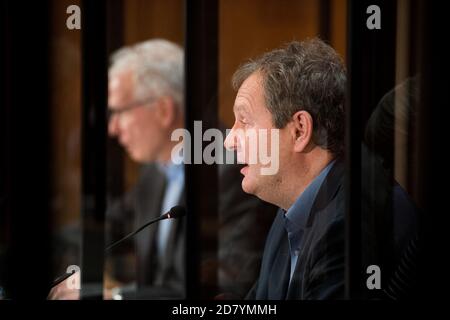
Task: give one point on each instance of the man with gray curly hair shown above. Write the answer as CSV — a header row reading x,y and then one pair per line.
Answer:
x,y
298,93
146,98
146,102
146,105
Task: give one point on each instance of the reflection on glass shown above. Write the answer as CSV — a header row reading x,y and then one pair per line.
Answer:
x,y
388,136
148,75
65,70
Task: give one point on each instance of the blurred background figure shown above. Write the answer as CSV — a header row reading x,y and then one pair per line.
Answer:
x,y
389,210
145,106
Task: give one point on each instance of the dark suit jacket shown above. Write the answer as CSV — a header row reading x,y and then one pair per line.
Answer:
x,y
319,272
155,278
243,223
388,225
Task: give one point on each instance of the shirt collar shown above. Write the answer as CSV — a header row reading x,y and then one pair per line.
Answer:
x,y
171,170
297,215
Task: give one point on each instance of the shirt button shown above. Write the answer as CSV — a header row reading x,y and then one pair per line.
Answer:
x,y
297,252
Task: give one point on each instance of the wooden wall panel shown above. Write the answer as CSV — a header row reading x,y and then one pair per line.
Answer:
x,y
65,84
247,28
145,19
338,34
251,27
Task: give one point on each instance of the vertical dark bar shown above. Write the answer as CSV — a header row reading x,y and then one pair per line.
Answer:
x,y
5,227
25,151
201,104
353,220
115,163
432,131
371,74
325,20
115,24
94,94
5,161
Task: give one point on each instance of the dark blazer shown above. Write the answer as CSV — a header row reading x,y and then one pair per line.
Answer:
x,y
319,273
244,220
155,278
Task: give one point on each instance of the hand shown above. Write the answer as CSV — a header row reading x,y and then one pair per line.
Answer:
x,y
107,294
66,290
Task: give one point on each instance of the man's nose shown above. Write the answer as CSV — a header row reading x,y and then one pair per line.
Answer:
x,y
230,142
113,126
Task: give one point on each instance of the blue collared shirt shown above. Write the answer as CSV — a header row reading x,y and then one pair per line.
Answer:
x,y
297,215
174,187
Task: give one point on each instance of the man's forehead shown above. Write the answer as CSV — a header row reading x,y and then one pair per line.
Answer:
x,y
248,93
120,79
239,107
252,83
114,83
120,91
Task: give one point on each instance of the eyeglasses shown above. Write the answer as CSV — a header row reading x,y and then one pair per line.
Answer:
x,y
118,110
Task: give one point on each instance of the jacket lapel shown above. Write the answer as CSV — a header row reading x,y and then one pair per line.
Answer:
x,y
169,259
148,207
328,190
279,275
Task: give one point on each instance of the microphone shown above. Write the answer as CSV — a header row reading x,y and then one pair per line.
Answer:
x,y
174,213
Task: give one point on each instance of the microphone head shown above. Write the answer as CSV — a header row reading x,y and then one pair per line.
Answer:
x,y
176,212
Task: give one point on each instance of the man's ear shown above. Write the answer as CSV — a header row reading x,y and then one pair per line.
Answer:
x,y
302,130
166,111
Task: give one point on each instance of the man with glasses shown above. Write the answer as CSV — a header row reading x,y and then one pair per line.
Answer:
x,y
145,106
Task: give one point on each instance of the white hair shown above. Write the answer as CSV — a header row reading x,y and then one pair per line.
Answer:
x,y
156,66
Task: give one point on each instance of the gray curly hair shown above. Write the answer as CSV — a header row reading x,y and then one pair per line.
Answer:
x,y
157,67
307,75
